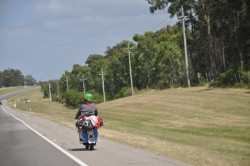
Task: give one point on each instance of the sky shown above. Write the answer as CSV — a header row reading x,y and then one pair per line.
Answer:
x,y
45,38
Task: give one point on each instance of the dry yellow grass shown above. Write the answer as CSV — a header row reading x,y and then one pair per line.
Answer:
x,y
202,126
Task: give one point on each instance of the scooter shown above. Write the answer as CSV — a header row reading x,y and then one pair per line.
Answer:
x,y
89,138
88,133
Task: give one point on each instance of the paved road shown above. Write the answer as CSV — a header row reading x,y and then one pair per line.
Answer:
x,y
23,146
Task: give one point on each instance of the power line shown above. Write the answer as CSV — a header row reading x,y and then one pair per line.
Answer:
x,y
162,22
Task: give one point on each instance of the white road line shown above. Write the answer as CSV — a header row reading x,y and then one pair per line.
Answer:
x,y
52,143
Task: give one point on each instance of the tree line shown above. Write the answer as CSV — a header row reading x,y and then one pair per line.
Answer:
x,y
218,33
218,52
156,60
14,77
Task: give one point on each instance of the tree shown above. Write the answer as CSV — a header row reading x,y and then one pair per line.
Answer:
x,y
118,67
92,58
12,77
1,79
29,80
159,60
220,32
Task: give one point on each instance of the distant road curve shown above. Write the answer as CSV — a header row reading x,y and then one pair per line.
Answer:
x,y
20,92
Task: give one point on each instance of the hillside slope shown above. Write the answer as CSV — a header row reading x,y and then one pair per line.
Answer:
x,y
203,126
198,125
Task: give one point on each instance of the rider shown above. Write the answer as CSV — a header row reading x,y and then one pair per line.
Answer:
x,y
88,108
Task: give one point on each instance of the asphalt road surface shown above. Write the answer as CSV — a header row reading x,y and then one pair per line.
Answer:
x,y
20,146
27,140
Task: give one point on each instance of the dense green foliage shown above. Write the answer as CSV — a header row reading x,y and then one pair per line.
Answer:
x,y
218,52
13,77
219,33
156,59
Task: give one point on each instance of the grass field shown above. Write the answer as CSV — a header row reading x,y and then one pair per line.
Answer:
x,y
200,126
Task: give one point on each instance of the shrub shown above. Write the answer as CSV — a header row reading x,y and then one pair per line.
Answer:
x,y
98,97
73,98
227,78
125,91
234,78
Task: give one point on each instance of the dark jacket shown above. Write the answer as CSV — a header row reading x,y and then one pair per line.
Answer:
x,y
86,109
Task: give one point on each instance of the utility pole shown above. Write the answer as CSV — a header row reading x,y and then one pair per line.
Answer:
x,y
50,93
130,70
182,17
103,88
67,81
83,83
57,89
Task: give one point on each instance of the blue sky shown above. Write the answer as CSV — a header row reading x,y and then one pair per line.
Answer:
x,y
44,38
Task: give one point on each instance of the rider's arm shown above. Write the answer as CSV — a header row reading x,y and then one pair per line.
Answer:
x,y
96,113
78,113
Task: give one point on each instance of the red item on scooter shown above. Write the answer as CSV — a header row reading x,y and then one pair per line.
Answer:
x,y
99,122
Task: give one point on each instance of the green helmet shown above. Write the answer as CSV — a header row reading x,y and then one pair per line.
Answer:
x,y
89,97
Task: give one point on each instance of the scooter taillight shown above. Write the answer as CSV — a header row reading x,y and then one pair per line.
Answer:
x,y
91,136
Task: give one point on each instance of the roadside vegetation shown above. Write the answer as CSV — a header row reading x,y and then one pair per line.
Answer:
x,y
15,78
218,47
198,125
